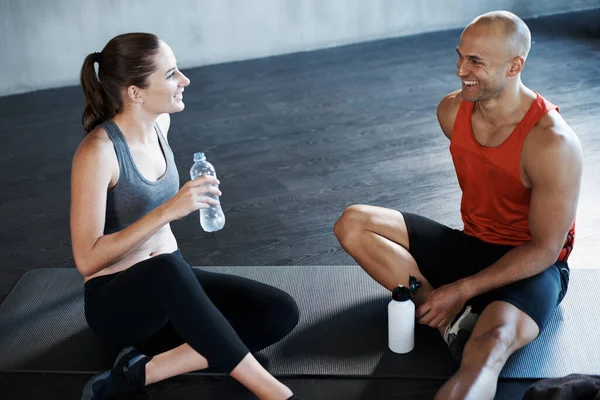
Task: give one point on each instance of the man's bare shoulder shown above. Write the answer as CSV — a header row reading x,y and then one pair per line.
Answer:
x,y
551,143
552,131
447,110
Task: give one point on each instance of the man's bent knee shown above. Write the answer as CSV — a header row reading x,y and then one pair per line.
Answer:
x,y
489,350
352,219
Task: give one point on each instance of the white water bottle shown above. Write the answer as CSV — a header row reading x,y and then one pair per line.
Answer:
x,y
401,318
212,219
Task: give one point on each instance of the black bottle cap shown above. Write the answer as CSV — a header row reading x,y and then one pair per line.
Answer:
x,y
414,284
401,293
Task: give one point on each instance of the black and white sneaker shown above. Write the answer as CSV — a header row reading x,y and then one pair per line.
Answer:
x,y
128,374
459,331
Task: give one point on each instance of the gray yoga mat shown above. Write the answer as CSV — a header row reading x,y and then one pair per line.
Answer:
x,y
342,329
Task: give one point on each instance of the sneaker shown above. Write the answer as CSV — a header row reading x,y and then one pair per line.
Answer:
x,y
459,331
123,377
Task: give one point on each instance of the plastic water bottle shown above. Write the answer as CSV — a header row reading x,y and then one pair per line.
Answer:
x,y
212,219
401,318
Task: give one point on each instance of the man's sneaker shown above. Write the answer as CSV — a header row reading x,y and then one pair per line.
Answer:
x,y
459,331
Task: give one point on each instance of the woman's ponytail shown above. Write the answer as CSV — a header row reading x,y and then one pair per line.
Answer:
x,y
95,111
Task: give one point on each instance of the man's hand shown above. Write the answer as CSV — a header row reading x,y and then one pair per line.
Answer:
x,y
442,305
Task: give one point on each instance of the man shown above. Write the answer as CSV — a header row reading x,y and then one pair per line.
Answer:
x,y
495,284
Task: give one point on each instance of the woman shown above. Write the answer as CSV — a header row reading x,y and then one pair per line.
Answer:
x,y
139,291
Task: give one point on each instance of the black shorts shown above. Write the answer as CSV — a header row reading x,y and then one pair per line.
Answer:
x,y
445,255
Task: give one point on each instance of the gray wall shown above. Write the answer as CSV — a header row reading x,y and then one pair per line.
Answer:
x,y
43,43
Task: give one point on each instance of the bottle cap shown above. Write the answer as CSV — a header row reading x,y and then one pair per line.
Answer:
x,y
199,156
414,284
401,293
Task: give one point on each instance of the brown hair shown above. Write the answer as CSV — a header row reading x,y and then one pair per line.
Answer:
x,y
126,60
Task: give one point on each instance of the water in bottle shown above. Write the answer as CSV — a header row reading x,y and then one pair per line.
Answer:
x,y
212,219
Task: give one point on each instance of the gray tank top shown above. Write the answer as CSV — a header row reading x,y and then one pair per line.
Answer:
x,y
134,196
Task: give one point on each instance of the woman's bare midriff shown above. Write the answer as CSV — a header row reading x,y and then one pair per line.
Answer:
x,y
162,242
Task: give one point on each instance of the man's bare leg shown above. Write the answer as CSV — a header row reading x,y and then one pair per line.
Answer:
x,y
377,239
501,330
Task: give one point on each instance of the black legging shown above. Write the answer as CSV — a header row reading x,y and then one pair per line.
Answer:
x,y
160,303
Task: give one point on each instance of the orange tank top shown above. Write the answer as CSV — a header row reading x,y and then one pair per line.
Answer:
x,y
495,203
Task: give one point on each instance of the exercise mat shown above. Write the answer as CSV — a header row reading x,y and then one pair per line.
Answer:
x,y
342,329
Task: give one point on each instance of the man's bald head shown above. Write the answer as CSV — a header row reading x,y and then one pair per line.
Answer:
x,y
491,54
511,27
